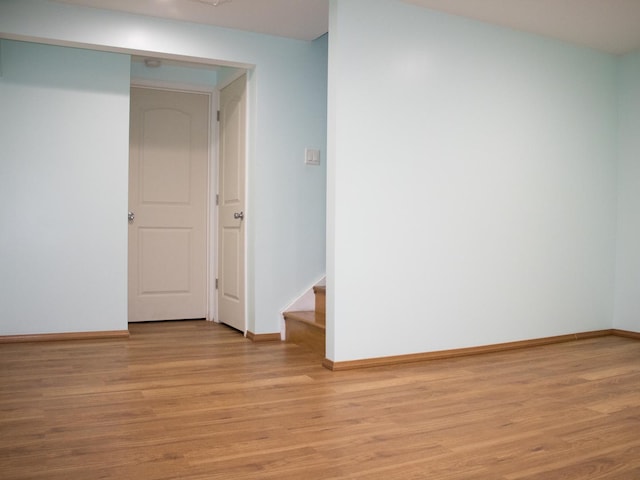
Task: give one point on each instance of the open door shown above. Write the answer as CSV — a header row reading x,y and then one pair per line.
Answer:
x,y
231,204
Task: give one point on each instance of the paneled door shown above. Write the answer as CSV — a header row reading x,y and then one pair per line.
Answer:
x,y
168,194
231,190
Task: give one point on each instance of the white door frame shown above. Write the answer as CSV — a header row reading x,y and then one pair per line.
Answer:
x,y
212,211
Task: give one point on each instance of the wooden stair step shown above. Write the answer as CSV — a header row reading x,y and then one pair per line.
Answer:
x,y
321,303
303,329
306,316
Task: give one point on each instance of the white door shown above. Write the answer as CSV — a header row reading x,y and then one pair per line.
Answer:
x,y
231,190
168,191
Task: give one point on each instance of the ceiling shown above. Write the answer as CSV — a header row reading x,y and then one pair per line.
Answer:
x,y
300,19
612,26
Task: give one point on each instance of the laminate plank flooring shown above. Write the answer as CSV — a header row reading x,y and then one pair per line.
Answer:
x,y
196,400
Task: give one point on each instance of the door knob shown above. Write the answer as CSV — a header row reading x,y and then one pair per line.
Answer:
x,y
131,217
238,215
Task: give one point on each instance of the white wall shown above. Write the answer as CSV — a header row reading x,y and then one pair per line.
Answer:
x,y
286,209
471,183
627,306
63,189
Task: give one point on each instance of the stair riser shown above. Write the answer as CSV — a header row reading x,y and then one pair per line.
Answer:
x,y
306,334
321,304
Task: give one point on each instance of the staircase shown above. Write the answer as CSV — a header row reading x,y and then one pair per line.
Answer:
x,y
308,328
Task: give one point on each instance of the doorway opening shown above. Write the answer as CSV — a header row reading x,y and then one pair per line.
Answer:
x,y
178,147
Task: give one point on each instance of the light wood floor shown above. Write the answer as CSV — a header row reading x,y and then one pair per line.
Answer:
x,y
195,400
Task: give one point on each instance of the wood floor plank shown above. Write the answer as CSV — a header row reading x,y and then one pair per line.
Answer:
x,y
197,400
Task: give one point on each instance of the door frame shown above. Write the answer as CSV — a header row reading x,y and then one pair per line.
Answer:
x,y
211,228
212,187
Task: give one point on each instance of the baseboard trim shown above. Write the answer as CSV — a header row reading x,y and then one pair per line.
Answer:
x,y
263,337
58,337
462,352
626,334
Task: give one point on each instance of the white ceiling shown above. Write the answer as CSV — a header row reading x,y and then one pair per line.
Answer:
x,y
611,26
300,19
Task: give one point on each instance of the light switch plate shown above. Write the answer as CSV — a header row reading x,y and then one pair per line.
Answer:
x,y
311,156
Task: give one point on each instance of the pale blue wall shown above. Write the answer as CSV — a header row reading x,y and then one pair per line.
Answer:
x,y
178,74
63,189
472,176
627,307
471,183
226,75
287,96
289,229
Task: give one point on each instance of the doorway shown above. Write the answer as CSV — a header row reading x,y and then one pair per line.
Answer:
x,y
203,81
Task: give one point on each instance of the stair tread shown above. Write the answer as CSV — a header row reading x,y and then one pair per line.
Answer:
x,y
308,317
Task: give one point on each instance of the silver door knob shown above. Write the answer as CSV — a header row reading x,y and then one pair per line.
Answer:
x,y
238,215
131,217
